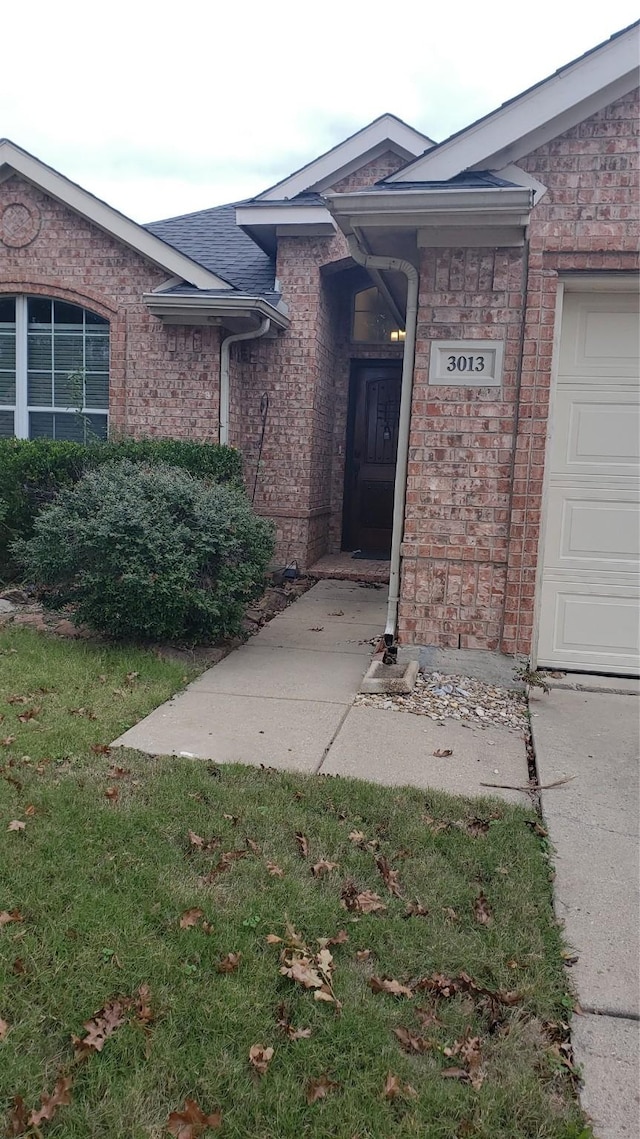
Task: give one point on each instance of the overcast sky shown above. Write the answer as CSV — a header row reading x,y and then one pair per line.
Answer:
x,y
162,108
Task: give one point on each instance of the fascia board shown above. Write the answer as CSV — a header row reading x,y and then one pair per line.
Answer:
x,y
108,219
183,305
385,129
600,77
496,198
283,214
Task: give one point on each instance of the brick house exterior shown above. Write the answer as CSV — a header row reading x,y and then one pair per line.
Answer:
x,y
475,488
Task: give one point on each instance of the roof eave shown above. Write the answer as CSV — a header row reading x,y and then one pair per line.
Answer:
x,y
418,209
194,309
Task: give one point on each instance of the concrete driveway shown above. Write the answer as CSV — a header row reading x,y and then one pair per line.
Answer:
x,y
590,729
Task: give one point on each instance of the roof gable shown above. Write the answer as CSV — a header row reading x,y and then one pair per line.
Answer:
x,y
543,112
385,133
14,159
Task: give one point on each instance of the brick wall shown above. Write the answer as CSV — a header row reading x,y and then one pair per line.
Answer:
x,y
370,173
474,494
163,380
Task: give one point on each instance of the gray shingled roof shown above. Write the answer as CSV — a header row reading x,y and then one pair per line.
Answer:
x,y
212,238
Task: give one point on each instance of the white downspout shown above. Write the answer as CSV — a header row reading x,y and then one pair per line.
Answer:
x,y
400,486
225,349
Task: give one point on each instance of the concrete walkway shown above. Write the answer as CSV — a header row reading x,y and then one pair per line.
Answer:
x,y
594,735
285,700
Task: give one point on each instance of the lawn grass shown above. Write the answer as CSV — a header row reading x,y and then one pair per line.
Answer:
x,y
101,884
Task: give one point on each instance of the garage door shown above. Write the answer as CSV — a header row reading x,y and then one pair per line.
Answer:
x,y
590,588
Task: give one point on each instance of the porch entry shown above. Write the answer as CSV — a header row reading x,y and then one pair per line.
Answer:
x,y
372,444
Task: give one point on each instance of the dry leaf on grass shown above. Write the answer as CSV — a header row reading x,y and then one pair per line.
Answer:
x,y
340,938
415,910
6,741
18,699
260,1058
9,916
190,918
303,844
410,1042
394,1088
468,1050
229,963
482,910
192,1121
365,902
205,845
389,876
29,714
101,749
253,846
323,867
233,819
363,954
101,1027
274,870
60,1097
112,794
118,772
225,863
319,1088
284,1022
18,1121
4,1028
388,985
16,825
357,837
443,752
455,1074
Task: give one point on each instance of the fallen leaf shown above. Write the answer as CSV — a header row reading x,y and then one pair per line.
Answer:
x,y
260,1058
357,837
443,752
18,967
316,628
450,913
303,971
60,1097
482,910
389,876
415,910
253,846
8,916
16,825
18,699
319,1088
112,794
18,1121
363,954
30,714
118,772
303,844
144,1013
366,902
275,870
228,964
323,867
537,828
284,1022
436,826
410,1042
455,1074
337,613
4,1028
233,819
468,1049
131,676
191,918
192,1121
393,1087
340,938
101,1026
30,811
101,749
387,985
273,939
7,741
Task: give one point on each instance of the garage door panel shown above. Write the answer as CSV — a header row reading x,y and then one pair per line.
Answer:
x,y
590,626
596,432
600,337
592,530
589,604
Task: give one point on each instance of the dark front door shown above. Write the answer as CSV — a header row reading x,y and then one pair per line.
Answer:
x,y
372,444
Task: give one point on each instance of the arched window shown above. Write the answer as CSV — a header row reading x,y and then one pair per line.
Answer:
x,y
373,322
54,370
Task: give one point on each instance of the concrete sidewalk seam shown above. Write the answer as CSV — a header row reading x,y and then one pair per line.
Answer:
x,y
333,738
592,1010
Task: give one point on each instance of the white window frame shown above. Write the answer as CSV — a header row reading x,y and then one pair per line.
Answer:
x,y
22,408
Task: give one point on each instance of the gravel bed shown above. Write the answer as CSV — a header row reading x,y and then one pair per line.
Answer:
x,y
459,698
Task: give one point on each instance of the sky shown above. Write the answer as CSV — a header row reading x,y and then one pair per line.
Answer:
x,y
164,108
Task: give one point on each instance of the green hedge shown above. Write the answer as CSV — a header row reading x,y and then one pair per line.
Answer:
x,y
149,551
34,471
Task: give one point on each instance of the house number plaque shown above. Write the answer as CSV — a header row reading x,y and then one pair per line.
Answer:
x,y
466,363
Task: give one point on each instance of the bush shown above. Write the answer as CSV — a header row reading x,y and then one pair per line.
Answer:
x,y
34,471
150,552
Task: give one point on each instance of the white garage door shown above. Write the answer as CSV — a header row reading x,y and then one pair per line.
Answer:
x,y
590,589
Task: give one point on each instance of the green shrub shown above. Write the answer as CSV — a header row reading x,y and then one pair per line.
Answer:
x,y
33,471
149,551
